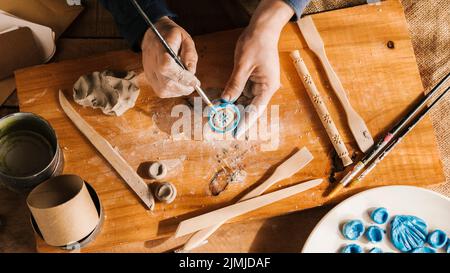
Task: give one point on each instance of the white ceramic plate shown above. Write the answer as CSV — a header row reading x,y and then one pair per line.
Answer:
x,y
432,207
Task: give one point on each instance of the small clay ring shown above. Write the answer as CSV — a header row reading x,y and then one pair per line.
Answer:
x,y
165,192
157,170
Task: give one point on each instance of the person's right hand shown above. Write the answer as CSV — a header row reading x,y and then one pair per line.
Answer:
x,y
165,76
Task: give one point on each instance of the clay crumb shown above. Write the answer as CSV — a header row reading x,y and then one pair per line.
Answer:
x,y
224,177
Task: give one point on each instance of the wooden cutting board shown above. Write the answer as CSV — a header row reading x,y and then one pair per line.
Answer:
x,y
381,82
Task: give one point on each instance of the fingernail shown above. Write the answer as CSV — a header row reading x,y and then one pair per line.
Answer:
x,y
191,68
226,98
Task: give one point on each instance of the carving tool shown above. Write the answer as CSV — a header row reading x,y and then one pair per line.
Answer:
x,y
321,108
357,125
169,50
226,213
386,139
288,168
136,183
397,140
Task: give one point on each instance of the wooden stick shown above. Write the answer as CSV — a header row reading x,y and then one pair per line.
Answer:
x,y
288,168
136,183
226,213
356,123
321,108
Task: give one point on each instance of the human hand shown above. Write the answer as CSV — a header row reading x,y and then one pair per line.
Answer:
x,y
165,76
256,59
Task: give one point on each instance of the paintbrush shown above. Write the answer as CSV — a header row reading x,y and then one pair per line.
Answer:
x,y
386,139
397,140
170,50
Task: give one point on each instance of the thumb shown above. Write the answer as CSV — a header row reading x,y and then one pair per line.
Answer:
x,y
236,83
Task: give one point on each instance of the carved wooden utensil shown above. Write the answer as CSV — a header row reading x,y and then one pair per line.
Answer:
x,y
226,213
136,183
321,109
357,125
288,168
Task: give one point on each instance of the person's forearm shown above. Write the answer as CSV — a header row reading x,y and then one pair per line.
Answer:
x,y
271,16
130,23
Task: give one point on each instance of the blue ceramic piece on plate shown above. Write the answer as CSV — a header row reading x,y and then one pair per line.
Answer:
x,y
352,248
353,229
408,232
374,234
437,238
376,250
379,215
448,247
423,249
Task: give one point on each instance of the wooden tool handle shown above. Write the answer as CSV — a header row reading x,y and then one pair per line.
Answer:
x,y
335,82
223,214
321,108
288,168
356,123
136,183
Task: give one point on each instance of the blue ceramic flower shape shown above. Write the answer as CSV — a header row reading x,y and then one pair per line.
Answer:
x,y
376,250
423,249
374,234
353,229
379,215
224,116
408,232
352,248
437,238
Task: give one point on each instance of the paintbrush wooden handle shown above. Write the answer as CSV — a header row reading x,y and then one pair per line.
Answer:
x,y
223,214
295,163
321,108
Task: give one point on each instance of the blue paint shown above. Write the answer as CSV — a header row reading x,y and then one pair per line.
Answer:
x,y
423,249
374,234
376,250
408,232
437,238
352,248
379,215
216,110
353,229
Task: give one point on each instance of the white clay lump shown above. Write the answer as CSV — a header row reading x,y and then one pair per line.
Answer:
x,y
113,92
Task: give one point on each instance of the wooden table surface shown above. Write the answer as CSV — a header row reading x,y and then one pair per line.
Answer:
x,y
257,236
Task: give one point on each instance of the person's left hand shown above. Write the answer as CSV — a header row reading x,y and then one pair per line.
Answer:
x,y
256,59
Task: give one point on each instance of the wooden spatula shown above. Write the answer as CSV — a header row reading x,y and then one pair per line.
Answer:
x,y
357,125
226,213
288,168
